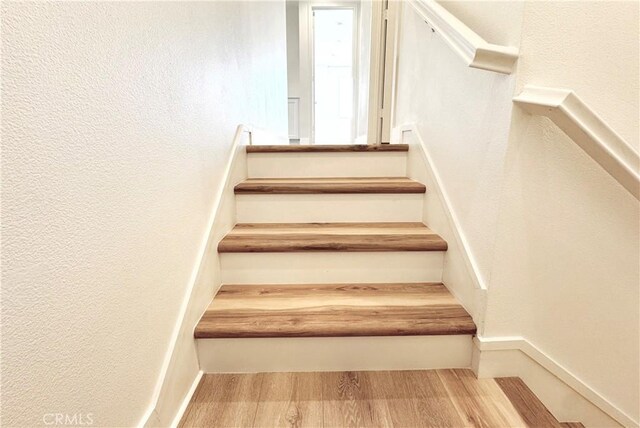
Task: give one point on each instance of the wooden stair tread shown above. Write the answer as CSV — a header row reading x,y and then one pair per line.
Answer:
x,y
530,408
295,237
330,185
324,148
330,310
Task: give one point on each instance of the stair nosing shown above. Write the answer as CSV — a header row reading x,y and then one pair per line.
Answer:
x,y
444,317
328,148
330,185
327,237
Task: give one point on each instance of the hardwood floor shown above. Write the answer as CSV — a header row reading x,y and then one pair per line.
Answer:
x,y
290,400
294,237
224,400
323,310
434,398
329,185
469,396
306,148
532,411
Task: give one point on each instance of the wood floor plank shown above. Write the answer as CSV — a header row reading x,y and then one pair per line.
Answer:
x,y
418,398
328,148
480,402
336,185
530,408
331,310
349,400
224,400
290,400
414,398
296,237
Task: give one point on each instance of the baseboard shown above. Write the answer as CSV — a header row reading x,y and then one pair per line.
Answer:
x,y
181,368
568,398
187,400
564,394
461,274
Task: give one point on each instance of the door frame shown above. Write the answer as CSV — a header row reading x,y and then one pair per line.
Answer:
x,y
355,51
385,17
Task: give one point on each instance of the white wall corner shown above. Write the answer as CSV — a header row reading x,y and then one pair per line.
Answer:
x,y
567,397
587,129
473,49
180,372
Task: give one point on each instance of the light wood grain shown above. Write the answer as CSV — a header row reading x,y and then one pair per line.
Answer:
x,y
331,310
224,400
328,148
329,185
295,237
417,399
571,425
432,398
350,400
532,411
290,400
480,402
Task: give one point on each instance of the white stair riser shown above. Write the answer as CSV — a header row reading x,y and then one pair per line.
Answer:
x,y
306,354
358,164
329,208
331,267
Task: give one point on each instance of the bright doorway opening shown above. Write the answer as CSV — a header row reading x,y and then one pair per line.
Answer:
x,y
334,75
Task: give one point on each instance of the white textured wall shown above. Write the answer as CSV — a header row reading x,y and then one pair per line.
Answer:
x,y
117,122
554,236
463,117
590,47
498,22
567,270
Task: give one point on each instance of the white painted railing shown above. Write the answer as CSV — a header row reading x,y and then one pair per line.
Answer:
x,y
472,48
588,130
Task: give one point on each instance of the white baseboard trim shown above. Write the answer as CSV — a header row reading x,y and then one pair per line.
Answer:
x,y
187,400
472,265
565,395
462,275
180,367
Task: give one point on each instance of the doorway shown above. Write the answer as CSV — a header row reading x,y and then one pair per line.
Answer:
x,y
334,68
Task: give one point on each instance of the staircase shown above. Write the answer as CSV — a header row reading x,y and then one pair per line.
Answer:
x,y
330,267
